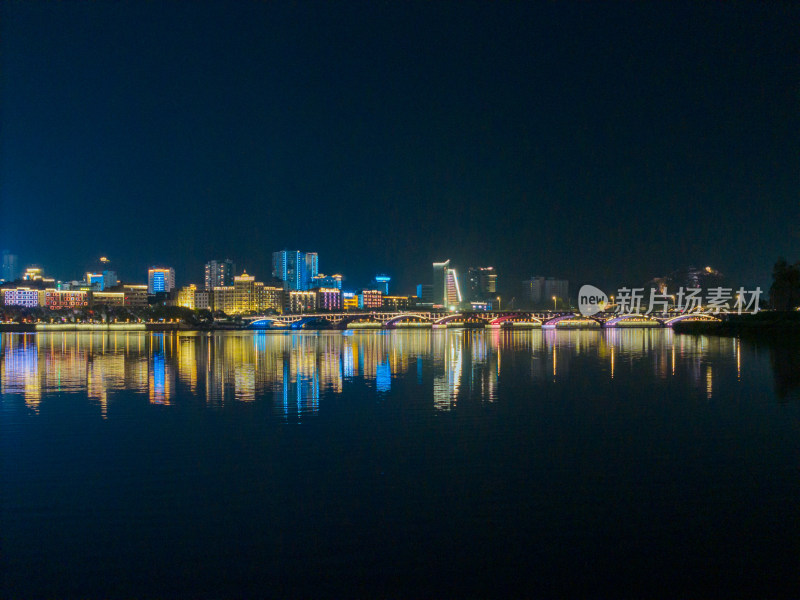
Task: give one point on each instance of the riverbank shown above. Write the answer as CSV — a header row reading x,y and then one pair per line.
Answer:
x,y
771,325
90,327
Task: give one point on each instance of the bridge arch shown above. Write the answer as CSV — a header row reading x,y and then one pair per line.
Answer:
x,y
573,320
268,323
646,320
690,317
517,318
459,317
410,317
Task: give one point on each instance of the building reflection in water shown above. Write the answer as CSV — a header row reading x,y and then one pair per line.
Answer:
x,y
295,370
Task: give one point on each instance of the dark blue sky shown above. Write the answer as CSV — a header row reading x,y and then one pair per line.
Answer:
x,y
603,143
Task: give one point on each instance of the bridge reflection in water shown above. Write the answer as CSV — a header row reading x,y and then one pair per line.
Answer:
x,y
295,370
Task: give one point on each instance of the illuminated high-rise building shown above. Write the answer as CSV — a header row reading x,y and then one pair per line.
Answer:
x,y
312,268
160,279
439,295
381,282
296,269
244,293
219,273
452,289
446,289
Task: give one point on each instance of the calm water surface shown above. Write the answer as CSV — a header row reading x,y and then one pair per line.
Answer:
x,y
403,464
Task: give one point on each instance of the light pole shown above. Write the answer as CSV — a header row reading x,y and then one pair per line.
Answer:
x,y
498,303
554,302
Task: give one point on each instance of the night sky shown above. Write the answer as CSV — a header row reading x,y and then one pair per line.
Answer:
x,y
602,143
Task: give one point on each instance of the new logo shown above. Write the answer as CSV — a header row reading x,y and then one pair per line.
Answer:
x,y
591,300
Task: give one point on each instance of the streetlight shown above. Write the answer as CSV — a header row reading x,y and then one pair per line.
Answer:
x,y
498,303
554,302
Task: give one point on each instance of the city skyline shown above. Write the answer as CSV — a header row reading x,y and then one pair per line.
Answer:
x,y
603,144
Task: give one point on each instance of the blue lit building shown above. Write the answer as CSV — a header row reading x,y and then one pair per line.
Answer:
x,y
296,269
381,282
160,279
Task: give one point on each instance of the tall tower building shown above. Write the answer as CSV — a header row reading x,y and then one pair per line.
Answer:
x,y
452,290
296,269
219,273
312,269
160,279
440,282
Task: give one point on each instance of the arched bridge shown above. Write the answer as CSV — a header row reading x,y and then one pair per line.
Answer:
x,y
478,319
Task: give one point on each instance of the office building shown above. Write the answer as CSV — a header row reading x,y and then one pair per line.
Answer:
x,y
219,273
481,284
349,301
9,270
294,268
452,289
312,268
425,293
381,282
439,287
160,279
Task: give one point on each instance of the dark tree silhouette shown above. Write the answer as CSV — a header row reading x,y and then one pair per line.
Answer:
x,y
784,294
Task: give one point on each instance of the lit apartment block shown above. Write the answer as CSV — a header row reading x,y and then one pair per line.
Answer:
x,y
202,299
269,298
300,301
186,296
58,299
329,299
396,302
370,299
224,299
22,297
